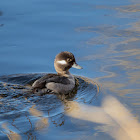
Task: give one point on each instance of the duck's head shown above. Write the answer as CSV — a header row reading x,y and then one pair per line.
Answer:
x,y
64,61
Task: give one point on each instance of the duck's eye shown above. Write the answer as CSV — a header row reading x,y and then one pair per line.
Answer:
x,y
69,59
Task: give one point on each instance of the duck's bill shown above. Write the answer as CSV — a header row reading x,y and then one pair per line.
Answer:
x,y
76,66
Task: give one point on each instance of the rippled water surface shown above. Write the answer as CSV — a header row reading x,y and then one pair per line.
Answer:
x,y
105,39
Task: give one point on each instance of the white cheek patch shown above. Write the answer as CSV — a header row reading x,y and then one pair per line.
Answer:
x,y
63,62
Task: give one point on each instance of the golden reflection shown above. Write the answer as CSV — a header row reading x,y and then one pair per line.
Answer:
x,y
84,112
122,53
42,122
130,8
10,134
134,77
33,111
116,119
129,91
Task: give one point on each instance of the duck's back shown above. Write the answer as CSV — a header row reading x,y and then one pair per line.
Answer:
x,y
55,83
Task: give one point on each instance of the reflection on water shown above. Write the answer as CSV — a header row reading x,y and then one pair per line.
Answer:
x,y
119,56
107,33
10,134
130,8
28,113
115,119
36,114
43,122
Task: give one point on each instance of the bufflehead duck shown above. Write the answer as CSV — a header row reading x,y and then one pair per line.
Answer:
x,y
63,81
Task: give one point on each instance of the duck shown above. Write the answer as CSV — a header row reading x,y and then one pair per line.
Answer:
x,y
63,81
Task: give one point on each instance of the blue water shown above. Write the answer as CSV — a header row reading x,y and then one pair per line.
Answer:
x,y
38,30
103,36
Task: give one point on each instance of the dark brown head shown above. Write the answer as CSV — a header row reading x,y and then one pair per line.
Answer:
x,y
64,61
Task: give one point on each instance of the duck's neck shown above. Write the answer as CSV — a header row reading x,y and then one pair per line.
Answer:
x,y
64,73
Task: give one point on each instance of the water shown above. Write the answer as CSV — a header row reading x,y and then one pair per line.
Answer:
x,y
104,37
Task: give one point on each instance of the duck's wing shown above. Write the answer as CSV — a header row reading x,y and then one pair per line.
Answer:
x,y
40,83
